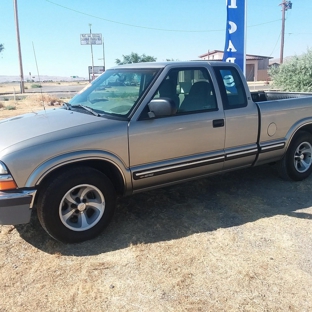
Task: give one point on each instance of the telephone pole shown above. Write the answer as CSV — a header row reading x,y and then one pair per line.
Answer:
x,y
19,46
285,6
91,52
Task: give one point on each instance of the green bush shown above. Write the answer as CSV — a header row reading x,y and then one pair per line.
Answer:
x,y
36,85
10,107
294,75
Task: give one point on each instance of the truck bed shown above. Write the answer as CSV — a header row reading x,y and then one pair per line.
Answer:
x,y
262,96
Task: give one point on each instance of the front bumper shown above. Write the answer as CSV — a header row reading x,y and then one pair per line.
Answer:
x,y
15,207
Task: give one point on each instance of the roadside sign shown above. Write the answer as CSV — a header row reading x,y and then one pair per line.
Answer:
x,y
87,39
97,70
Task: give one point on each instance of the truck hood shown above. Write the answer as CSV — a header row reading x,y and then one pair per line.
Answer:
x,y
24,127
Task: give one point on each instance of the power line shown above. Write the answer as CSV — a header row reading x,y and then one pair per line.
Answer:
x,y
151,28
279,36
298,33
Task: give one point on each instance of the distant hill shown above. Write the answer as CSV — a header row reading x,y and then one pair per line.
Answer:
x,y
4,79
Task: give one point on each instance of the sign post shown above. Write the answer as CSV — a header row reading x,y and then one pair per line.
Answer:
x,y
91,39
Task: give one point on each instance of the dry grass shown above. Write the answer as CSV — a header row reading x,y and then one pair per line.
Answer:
x,y
241,241
31,103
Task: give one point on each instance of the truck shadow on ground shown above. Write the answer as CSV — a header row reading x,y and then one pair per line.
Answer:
x,y
222,201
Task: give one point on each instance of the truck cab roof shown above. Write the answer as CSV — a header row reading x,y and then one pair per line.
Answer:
x,y
194,63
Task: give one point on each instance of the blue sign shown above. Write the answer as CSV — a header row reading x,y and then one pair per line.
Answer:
x,y
234,50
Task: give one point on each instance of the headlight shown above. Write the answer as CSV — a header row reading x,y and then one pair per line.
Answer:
x,y
3,168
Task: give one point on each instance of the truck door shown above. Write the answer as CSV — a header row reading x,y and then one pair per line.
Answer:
x,y
184,145
241,119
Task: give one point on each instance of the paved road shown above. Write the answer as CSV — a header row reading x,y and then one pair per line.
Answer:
x,y
63,92
56,89
60,95
59,91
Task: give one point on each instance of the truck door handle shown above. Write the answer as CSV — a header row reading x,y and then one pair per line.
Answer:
x,y
218,123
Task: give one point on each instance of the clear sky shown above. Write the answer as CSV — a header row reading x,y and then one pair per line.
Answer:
x,y
174,29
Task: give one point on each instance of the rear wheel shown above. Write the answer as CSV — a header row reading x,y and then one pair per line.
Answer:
x,y
297,162
76,205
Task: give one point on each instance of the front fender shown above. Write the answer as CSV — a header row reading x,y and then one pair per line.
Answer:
x,y
48,166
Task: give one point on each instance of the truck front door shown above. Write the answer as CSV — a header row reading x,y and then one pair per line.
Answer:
x,y
187,144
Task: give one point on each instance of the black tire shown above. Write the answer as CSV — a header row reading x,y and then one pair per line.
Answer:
x,y
297,162
76,205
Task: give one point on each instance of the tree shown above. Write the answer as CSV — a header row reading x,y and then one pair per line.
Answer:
x,y
295,75
1,47
135,58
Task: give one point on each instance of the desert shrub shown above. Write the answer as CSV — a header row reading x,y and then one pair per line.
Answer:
x,y
10,107
36,85
44,99
294,75
1,105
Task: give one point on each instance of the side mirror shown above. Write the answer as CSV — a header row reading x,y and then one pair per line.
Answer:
x,y
161,107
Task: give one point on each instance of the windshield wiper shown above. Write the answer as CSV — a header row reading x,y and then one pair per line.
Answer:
x,y
87,108
67,106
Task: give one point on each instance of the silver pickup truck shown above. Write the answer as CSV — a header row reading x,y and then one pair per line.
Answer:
x,y
142,126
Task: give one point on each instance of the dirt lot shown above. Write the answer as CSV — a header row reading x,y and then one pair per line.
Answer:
x,y
240,241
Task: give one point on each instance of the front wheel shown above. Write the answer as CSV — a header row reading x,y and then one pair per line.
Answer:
x,y
76,205
297,162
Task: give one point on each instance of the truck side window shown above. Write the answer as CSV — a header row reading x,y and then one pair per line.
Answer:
x,y
231,87
190,88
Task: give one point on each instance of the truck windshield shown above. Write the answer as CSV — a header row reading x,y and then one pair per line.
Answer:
x,y
115,92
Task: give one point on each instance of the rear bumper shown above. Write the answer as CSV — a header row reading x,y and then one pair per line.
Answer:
x,y
15,208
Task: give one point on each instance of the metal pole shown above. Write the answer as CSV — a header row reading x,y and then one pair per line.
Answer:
x,y
283,32
245,38
19,46
91,52
103,56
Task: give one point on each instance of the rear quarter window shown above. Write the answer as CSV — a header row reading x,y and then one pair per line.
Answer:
x,y
231,87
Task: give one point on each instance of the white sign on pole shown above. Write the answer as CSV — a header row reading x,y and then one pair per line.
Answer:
x,y
87,39
97,70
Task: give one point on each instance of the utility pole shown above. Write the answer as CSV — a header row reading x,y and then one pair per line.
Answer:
x,y
285,6
19,46
103,57
91,52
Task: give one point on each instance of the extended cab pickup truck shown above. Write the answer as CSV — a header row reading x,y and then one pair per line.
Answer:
x,y
142,126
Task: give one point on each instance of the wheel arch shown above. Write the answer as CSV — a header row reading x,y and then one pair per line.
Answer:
x,y
302,125
118,174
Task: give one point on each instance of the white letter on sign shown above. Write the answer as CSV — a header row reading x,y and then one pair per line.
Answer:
x,y
232,4
231,47
233,27
231,59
